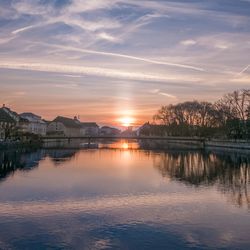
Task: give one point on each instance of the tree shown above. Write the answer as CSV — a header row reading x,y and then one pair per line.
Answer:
x,y
248,112
228,116
236,104
165,115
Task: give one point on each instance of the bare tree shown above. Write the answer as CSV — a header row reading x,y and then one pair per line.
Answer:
x,y
165,115
236,104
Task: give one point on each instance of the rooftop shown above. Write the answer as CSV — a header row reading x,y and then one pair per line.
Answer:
x,y
6,115
89,124
29,114
67,122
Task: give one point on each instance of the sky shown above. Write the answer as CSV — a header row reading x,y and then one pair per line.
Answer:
x,y
107,60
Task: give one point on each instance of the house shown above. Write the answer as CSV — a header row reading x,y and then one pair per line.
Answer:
x,y
109,131
32,123
9,121
148,129
141,129
128,132
2,134
89,128
64,126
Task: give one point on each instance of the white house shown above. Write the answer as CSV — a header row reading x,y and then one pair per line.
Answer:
x,y
89,128
109,131
64,126
34,124
9,121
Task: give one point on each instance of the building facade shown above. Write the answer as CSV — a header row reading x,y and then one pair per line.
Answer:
x,y
63,126
33,124
89,129
9,121
109,131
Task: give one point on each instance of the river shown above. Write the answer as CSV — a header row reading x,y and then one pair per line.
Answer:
x,y
121,196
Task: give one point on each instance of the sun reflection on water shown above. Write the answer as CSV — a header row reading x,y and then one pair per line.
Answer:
x,y
122,144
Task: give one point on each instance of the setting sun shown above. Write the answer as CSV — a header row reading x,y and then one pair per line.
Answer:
x,y
126,121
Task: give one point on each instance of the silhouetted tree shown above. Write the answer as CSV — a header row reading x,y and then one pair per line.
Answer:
x,y
226,117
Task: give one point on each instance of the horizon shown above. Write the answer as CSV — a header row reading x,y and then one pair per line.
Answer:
x,y
117,62
123,123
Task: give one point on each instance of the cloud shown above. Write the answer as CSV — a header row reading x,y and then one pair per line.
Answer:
x,y
167,95
67,86
131,40
108,37
95,71
159,92
73,76
23,29
142,59
188,42
244,70
6,39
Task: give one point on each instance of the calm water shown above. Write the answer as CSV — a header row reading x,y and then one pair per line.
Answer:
x,y
124,198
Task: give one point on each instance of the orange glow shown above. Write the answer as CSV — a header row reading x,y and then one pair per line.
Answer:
x,y
121,145
124,145
126,121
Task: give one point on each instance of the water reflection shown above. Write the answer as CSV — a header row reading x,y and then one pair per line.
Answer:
x,y
92,144
228,171
61,156
122,197
23,160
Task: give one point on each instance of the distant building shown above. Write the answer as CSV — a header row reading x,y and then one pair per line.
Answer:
x,y
129,132
2,134
109,131
89,128
148,129
64,126
9,121
141,129
32,123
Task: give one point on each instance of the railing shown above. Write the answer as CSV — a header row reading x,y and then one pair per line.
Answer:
x,y
169,138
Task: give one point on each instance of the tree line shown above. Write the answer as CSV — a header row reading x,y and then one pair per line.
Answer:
x,y
229,117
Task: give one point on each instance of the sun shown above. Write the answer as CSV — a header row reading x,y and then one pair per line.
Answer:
x,y
126,121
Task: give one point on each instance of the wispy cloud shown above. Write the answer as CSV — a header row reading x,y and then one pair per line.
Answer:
x,y
108,37
188,42
159,92
166,46
23,29
167,95
103,53
95,71
244,69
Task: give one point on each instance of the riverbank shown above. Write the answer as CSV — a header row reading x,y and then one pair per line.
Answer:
x,y
20,145
195,143
233,144
144,143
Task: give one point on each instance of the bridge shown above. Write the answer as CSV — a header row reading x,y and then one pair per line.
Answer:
x,y
200,142
134,137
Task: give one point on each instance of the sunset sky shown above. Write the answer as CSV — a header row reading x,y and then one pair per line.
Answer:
x,y
112,60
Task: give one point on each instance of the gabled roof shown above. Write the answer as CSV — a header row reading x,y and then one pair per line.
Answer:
x,y
89,124
67,122
23,120
29,114
110,128
5,117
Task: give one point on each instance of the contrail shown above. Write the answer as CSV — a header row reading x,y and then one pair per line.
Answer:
x,y
23,29
125,56
93,71
245,69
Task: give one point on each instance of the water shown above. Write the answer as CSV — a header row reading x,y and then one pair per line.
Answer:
x,y
124,197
